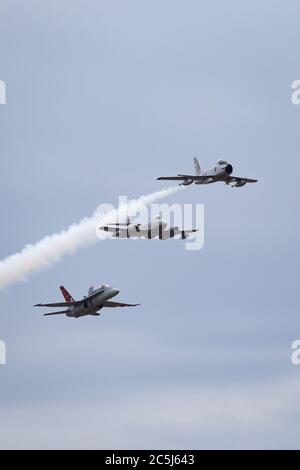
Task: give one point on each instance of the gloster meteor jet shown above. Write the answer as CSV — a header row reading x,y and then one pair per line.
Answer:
x,y
156,228
221,171
89,305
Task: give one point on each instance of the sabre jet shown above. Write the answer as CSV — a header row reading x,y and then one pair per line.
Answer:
x,y
156,228
221,171
89,305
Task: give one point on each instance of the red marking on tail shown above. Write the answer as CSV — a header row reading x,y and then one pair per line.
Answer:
x,y
66,294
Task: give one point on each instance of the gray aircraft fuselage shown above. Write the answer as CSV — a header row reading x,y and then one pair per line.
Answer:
x,y
93,302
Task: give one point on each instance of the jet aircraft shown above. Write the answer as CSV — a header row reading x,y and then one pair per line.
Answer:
x,y
89,305
221,171
156,228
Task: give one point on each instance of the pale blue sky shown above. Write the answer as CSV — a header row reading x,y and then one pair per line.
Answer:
x,y
103,97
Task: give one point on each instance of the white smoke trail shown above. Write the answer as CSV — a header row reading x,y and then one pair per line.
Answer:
x,y
52,248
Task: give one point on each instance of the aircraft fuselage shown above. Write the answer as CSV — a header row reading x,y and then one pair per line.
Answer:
x,y
92,303
217,172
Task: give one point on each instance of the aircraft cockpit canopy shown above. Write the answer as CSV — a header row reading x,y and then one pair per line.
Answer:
x,y
103,286
222,162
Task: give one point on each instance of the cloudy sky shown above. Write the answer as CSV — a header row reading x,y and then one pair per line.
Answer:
x,y
103,97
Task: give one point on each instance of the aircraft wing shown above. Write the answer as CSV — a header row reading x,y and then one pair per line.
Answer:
x,y
171,178
237,179
119,224
117,231
110,303
60,304
187,177
193,230
186,233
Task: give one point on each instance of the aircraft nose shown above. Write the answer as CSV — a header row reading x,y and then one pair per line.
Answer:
x,y
115,291
228,169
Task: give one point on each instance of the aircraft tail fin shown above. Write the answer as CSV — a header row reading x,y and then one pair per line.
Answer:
x,y
91,290
66,294
197,167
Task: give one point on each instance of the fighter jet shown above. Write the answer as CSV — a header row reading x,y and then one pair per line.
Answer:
x,y
156,228
89,305
221,171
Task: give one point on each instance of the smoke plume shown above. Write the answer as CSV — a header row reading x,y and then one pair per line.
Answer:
x,y
52,248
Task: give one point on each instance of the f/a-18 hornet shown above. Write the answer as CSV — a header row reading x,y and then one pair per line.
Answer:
x,y
89,305
156,228
221,171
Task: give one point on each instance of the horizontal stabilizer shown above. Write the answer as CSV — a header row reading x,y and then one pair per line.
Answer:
x,y
56,313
